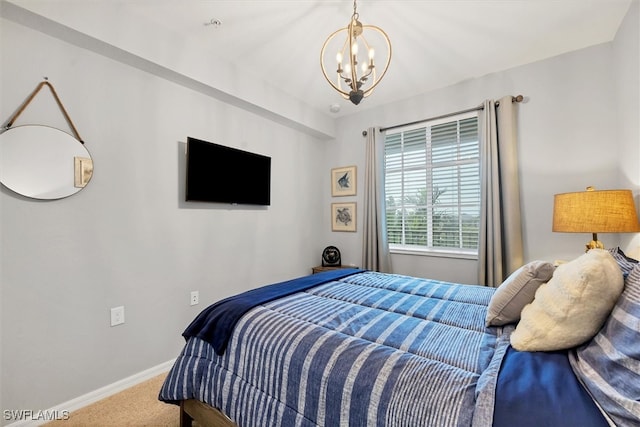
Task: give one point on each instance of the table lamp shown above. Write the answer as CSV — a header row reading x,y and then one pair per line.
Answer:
x,y
595,211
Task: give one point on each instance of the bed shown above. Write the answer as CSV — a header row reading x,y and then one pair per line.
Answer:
x,y
363,348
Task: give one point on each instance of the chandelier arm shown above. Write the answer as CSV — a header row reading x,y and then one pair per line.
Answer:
x,y
324,71
387,62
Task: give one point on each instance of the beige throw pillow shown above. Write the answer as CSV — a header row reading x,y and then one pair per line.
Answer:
x,y
572,307
517,291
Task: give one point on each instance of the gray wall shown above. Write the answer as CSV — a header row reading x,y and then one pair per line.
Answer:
x,y
626,50
128,239
578,127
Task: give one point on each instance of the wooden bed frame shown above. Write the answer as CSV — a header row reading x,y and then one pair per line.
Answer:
x,y
204,415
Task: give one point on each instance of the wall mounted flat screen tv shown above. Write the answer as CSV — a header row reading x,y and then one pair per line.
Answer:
x,y
216,173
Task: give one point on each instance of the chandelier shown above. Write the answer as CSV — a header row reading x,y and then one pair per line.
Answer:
x,y
358,76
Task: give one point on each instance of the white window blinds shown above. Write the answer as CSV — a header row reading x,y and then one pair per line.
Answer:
x,y
432,185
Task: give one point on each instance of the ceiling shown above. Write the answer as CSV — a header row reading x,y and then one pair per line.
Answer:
x,y
435,43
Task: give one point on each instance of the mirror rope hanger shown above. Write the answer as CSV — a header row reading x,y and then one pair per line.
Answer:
x,y
55,96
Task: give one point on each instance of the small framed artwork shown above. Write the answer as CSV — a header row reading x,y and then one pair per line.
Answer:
x,y
343,181
343,216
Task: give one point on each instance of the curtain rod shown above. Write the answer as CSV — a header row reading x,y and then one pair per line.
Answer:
x,y
517,98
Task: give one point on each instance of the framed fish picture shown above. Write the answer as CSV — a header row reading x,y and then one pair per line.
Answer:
x,y
343,216
343,181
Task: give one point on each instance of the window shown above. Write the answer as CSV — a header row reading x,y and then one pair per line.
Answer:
x,y
432,186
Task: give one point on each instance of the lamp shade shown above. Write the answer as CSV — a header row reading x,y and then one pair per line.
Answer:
x,y
595,211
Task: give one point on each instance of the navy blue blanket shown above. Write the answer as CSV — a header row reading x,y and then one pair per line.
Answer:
x,y
215,323
540,389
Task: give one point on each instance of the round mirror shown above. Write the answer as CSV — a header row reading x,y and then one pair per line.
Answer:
x,y
42,162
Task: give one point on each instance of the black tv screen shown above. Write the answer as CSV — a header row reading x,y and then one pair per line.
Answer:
x,y
216,173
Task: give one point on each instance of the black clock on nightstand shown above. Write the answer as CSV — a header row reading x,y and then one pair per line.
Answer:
x,y
331,257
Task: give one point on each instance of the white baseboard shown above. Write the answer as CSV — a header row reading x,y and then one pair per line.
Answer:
x,y
99,394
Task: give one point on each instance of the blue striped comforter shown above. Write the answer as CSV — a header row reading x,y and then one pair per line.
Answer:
x,y
370,349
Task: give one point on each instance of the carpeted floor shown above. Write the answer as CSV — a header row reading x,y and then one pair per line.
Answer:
x,y
135,406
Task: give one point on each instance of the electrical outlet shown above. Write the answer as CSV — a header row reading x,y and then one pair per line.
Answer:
x,y
195,297
117,316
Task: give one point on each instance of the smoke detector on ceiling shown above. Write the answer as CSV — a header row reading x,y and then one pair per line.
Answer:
x,y
215,23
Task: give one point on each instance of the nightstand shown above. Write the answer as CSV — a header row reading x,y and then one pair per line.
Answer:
x,y
320,269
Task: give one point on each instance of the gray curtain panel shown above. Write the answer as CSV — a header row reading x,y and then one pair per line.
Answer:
x,y
500,250
375,246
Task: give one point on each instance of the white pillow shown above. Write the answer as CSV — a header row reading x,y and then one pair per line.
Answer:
x,y
571,308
